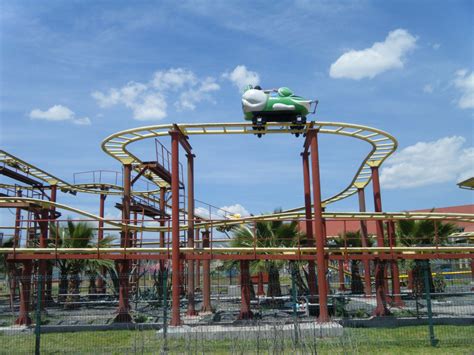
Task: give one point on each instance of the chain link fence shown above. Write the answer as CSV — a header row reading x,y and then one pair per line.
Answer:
x,y
78,314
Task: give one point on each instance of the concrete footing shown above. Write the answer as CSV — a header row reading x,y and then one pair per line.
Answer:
x,y
249,332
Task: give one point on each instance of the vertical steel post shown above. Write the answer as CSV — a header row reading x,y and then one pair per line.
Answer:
x,y
260,288
342,286
175,253
206,277
380,291
309,224
191,310
245,312
197,281
397,299
25,292
162,224
318,228
426,277
101,286
364,236
50,263
123,266
16,240
43,243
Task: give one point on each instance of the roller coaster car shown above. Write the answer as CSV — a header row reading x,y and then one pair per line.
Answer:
x,y
262,106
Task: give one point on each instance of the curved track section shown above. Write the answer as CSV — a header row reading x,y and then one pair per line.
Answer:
x,y
454,217
382,143
92,188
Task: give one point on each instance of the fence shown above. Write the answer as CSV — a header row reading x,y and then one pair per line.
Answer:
x,y
78,315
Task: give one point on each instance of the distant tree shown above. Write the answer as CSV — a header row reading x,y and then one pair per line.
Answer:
x,y
352,239
423,233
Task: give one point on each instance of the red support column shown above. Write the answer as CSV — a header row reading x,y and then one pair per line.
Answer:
x,y
191,310
260,288
313,290
380,291
206,277
25,291
197,281
43,219
16,243
472,273
162,224
50,263
342,286
312,135
175,253
123,266
396,297
101,285
364,235
245,312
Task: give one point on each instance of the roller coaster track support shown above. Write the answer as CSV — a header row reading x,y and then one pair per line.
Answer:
x,y
309,225
206,276
123,265
312,143
363,236
191,310
175,257
380,291
396,300
101,285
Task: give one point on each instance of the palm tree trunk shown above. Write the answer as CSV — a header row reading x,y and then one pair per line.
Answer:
x,y
73,296
274,287
357,287
63,284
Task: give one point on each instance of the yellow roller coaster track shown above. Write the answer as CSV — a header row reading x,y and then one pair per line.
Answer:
x,y
435,216
91,188
382,143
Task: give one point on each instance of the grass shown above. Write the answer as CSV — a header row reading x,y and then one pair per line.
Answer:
x,y
402,340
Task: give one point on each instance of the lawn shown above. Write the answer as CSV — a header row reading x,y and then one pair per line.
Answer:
x,y
402,340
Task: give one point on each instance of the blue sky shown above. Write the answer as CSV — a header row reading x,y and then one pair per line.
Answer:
x,y
74,72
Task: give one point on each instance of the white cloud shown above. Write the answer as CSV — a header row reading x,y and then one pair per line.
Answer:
x,y
241,77
58,113
237,209
436,46
173,79
54,113
222,212
426,163
464,82
84,121
428,88
369,62
189,99
149,101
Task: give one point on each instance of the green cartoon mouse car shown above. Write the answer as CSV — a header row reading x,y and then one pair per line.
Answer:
x,y
262,106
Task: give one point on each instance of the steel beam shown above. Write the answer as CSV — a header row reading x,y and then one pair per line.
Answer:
x,y
123,266
175,277
312,136
380,291
191,311
309,224
364,236
206,276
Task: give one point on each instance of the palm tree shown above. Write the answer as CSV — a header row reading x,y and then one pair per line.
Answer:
x,y
268,234
352,239
423,233
77,235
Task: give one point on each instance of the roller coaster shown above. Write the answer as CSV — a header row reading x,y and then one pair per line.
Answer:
x,y
177,223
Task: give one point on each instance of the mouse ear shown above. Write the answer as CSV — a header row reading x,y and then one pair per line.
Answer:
x,y
248,87
284,91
